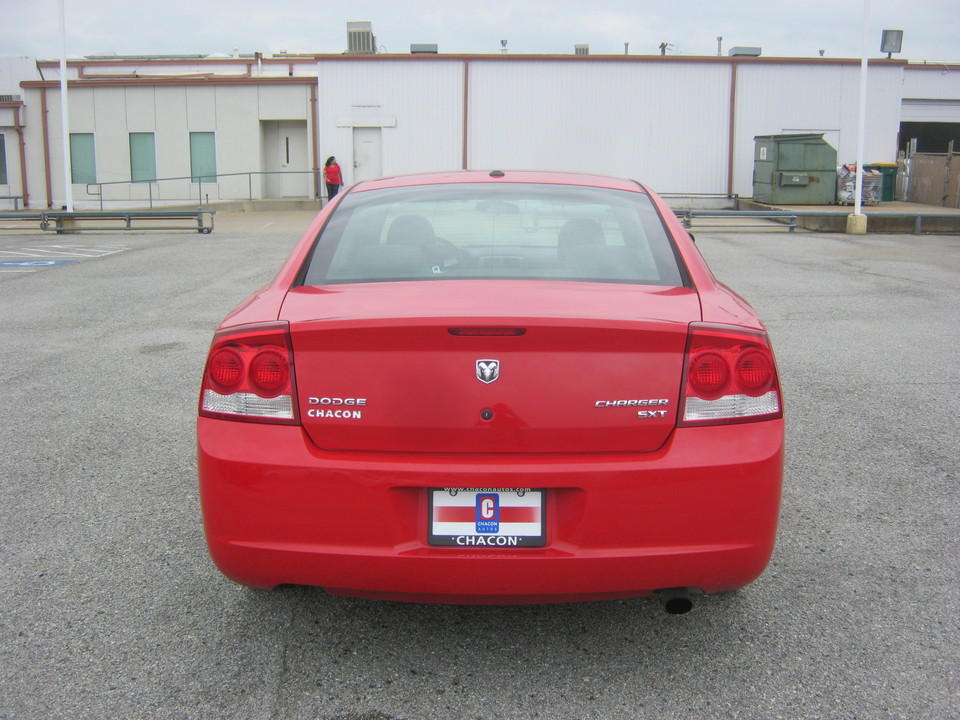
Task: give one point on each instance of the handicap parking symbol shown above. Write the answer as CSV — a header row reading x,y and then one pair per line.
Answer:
x,y
34,263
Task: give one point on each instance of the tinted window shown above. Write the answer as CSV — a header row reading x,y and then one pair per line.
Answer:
x,y
550,232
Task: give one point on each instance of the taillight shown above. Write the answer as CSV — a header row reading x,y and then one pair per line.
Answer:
x,y
249,375
226,367
709,374
729,376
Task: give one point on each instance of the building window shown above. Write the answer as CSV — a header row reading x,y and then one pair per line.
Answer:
x,y
3,160
143,157
83,161
203,157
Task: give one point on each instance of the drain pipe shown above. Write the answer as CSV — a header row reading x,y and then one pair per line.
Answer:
x,y
25,190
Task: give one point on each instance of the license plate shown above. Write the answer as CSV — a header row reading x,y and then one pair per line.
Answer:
x,y
487,517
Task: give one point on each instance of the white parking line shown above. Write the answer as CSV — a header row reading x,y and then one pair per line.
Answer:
x,y
19,253
81,250
56,252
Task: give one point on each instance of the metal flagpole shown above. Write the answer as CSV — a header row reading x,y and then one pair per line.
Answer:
x,y
65,113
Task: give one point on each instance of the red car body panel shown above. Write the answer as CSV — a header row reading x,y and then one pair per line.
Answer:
x,y
635,503
700,512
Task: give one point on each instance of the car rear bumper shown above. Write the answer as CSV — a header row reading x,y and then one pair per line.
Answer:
x,y
701,512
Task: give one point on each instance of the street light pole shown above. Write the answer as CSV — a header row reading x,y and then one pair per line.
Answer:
x,y
857,223
65,113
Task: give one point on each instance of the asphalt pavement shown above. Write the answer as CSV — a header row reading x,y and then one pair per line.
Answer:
x,y
110,607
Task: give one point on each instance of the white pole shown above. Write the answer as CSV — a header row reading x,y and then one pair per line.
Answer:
x,y
65,112
862,119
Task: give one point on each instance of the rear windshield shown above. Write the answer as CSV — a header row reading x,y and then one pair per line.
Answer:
x,y
483,230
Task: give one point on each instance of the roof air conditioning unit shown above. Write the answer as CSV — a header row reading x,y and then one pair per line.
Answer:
x,y
581,49
744,52
360,39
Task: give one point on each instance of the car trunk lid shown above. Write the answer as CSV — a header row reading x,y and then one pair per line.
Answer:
x,y
489,366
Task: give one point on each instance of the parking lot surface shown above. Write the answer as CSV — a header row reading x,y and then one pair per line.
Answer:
x,y
111,608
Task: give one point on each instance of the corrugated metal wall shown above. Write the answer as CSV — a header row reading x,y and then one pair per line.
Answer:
x,y
774,99
664,124
419,105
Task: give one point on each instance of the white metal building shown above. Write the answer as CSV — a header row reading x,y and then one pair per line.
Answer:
x,y
178,129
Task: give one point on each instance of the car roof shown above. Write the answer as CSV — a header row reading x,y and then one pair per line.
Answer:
x,y
500,176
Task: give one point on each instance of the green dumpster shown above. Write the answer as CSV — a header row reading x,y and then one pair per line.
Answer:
x,y
794,169
889,172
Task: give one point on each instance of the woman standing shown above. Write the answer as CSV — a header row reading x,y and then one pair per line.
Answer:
x,y
332,177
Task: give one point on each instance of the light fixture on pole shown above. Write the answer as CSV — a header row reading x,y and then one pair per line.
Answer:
x,y
891,42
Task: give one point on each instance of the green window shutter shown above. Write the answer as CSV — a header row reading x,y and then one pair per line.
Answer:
x,y
203,157
3,160
143,157
83,160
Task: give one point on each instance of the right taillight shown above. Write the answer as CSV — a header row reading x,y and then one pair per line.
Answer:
x,y
729,376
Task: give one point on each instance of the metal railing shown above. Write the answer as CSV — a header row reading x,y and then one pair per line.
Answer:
x,y
15,198
792,219
786,218
197,184
732,200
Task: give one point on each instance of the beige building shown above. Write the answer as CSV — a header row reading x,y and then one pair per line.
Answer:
x,y
169,130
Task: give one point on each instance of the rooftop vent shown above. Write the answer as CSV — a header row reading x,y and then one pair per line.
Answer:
x,y
423,48
581,49
744,52
360,39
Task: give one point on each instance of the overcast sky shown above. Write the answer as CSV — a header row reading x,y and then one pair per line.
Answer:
x,y
691,27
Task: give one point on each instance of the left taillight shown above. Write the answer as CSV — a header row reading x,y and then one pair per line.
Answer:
x,y
729,376
249,375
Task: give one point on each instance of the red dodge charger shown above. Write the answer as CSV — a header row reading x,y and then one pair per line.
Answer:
x,y
493,387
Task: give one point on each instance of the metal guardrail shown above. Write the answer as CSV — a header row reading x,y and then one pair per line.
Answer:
x,y
786,217
791,218
917,218
62,221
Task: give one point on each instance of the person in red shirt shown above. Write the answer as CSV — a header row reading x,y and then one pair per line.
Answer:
x,y
332,177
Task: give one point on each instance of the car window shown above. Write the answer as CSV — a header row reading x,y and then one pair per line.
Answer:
x,y
484,230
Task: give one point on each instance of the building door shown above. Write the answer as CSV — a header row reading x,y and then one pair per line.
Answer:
x,y
367,154
286,159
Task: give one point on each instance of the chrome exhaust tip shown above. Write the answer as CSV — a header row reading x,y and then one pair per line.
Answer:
x,y
676,601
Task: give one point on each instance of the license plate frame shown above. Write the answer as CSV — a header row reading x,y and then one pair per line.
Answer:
x,y
487,517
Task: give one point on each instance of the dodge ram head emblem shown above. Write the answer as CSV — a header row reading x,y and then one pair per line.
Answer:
x,y
488,370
